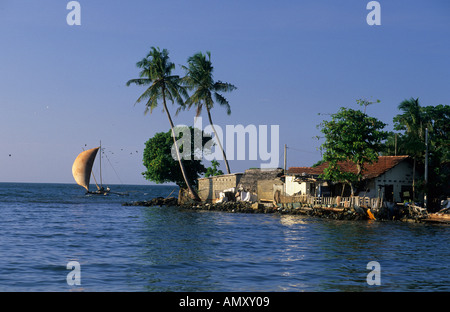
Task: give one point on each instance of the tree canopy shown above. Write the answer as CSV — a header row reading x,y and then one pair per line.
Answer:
x,y
213,171
156,73
160,163
409,139
351,135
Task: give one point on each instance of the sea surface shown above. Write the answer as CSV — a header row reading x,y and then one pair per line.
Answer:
x,y
43,227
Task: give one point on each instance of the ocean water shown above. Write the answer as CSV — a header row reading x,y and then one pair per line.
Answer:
x,y
157,249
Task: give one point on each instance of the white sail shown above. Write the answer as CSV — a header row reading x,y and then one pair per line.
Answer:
x,y
82,167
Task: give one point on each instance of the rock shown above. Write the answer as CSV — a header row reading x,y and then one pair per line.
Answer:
x,y
257,206
158,201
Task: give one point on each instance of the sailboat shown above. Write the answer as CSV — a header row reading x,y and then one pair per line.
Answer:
x,y
82,170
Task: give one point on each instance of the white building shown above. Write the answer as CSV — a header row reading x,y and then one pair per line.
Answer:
x,y
391,177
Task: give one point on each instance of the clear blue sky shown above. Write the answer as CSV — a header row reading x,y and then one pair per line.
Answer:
x,y
62,86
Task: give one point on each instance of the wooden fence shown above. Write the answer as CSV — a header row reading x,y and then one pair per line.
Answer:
x,y
332,201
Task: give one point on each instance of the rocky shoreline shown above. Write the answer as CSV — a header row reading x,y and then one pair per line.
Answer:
x,y
402,214
158,201
246,207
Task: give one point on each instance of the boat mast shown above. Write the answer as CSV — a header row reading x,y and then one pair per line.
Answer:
x,y
101,181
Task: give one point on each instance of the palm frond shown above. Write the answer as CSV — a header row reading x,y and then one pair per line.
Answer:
x,y
148,93
157,72
199,77
220,86
138,81
223,102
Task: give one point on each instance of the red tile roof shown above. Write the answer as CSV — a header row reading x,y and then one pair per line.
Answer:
x,y
383,164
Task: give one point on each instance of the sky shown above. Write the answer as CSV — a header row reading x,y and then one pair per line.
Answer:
x,y
62,87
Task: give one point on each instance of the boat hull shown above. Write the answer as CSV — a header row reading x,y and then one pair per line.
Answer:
x,y
438,218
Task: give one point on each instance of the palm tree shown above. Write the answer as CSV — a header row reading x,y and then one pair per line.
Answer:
x,y
199,76
412,117
414,124
156,72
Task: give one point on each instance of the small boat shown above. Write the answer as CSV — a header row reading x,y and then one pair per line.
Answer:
x,y
82,170
442,216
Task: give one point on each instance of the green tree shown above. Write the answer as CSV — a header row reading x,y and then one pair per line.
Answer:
x,y
199,77
437,119
364,103
351,135
213,171
162,167
412,122
156,73
410,140
438,184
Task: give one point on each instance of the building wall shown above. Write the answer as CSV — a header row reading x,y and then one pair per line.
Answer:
x,y
396,181
209,188
266,189
251,177
399,176
293,187
261,183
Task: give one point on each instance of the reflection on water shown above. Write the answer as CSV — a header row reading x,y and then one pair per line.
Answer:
x,y
292,220
238,252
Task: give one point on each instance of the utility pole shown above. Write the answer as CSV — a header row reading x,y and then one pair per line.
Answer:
x,y
395,153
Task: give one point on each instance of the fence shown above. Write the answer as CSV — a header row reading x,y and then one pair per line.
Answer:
x,y
332,201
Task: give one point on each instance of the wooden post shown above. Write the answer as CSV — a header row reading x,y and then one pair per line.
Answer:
x,y
395,153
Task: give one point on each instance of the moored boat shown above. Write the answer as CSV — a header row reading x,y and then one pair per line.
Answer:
x,y
442,216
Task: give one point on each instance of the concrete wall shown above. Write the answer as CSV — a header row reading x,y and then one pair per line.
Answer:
x,y
399,176
256,181
266,189
209,188
293,187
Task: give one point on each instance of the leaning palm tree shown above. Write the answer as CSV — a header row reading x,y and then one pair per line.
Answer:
x,y
199,76
156,72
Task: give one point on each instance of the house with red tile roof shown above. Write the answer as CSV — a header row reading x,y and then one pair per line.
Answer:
x,y
391,177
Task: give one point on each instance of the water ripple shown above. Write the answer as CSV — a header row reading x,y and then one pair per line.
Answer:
x,y
130,248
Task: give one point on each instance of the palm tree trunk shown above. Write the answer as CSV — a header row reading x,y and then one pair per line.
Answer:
x,y
218,141
189,186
